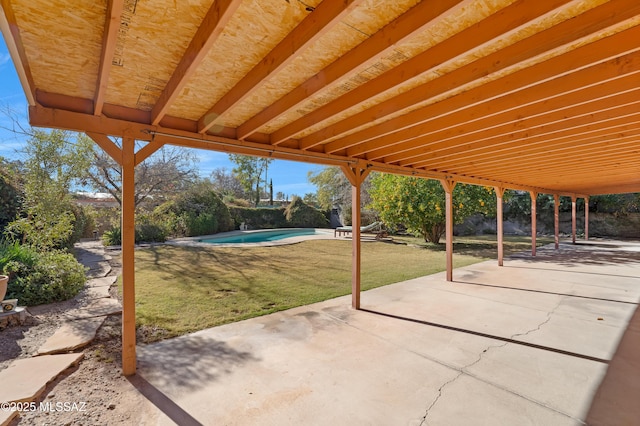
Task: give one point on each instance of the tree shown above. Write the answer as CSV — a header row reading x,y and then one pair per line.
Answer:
x,y
333,187
11,194
311,199
419,204
249,172
226,183
334,190
164,174
54,164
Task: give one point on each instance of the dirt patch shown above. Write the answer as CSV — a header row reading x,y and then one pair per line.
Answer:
x,y
93,393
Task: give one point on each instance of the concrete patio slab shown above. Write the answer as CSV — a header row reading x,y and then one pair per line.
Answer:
x,y
72,335
26,378
529,343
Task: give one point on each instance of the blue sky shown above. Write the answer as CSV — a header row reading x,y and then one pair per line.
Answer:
x,y
288,177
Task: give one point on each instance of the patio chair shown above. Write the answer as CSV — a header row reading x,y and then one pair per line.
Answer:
x,y
347,229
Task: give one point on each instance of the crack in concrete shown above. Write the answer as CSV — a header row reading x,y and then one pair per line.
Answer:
x,y
424,418
464,370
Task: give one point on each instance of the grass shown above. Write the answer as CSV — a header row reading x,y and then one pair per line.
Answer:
x,y
183,289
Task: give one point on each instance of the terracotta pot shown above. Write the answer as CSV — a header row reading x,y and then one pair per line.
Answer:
x,y
3,286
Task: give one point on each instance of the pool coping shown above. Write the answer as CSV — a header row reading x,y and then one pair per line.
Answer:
x,y
195,241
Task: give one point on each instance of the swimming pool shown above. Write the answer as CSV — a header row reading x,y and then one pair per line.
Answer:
x,y
263,236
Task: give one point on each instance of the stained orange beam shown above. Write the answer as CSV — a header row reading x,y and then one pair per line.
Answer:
x,y
314,26
128,262
598,143
534,230
496,25
551,178
499,226
480,122
61,119
573,220
208,32
579,174
626,115
109,39
613,149
561,141
586,218
535,131
449,185
556,220
13,40
356,176
417,19
464,75
573,71
545,41
107,145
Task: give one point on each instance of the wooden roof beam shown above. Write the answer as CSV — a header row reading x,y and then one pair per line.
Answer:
x,y
550,39
543,42
585,177
109,39
617,150
61,119
484,120
418,19
545,134
513,135
208,32
516,96
497,25
611,189
13,40
603,140
315,25
540,145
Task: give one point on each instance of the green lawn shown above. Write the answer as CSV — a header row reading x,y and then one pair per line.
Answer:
x,y
184,289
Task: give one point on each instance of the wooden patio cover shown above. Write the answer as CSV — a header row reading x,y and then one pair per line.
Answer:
x,y
541,96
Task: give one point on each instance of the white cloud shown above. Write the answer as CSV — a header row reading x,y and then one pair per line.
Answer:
x,y
5,58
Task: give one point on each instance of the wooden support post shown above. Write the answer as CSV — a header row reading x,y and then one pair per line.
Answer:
x,y
449,186
128,265
573,219
500,230
355,176
534,198
556,220
586,218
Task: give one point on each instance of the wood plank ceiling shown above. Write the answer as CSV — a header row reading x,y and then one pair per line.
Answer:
x,y
526,94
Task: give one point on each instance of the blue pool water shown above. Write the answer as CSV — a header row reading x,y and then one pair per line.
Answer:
x,y
262,236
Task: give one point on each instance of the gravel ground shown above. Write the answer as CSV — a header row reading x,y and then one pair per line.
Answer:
x,y
102,395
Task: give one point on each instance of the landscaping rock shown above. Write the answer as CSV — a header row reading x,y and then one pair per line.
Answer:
x,y
102,282
97,292
19,316
99,270
72,335
96,308
25,379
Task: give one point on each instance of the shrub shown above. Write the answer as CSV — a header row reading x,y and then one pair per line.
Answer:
x,y
200,211
299,214
112,237
145,233
37,278
258,218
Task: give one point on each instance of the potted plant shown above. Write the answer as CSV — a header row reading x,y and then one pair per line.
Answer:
x,y
3,286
